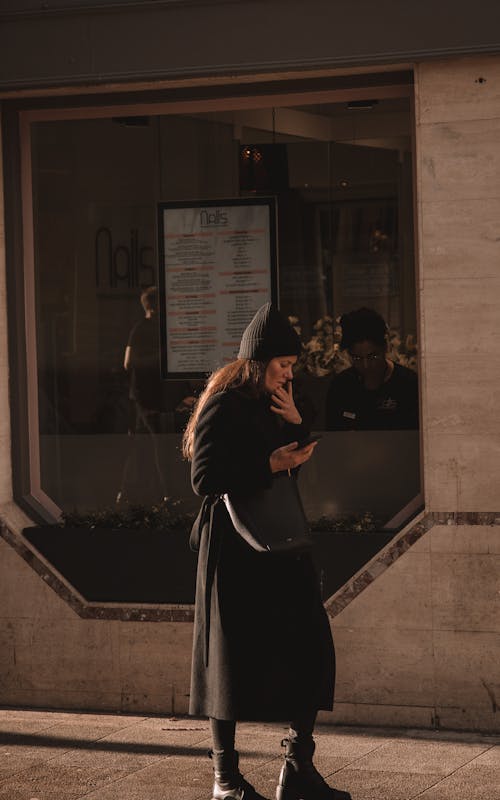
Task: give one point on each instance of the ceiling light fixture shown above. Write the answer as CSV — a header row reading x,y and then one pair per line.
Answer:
x,y
361,105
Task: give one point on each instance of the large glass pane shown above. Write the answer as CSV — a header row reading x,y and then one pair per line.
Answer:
x,y
342,178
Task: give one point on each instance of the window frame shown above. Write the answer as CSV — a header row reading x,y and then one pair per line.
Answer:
x,y
18,118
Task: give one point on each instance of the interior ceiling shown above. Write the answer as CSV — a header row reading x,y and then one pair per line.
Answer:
x,y
385,124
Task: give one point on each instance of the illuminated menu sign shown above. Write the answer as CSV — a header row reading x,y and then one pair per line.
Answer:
x,y
218,266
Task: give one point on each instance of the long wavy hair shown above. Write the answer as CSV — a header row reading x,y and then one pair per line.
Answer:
x,y
241,373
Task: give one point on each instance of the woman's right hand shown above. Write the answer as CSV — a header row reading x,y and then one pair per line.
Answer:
x,y
290,456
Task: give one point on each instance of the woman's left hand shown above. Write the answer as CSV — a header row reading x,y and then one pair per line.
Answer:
x,y
284,404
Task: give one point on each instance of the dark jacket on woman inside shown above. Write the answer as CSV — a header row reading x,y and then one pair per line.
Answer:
x,y
393,406
262,646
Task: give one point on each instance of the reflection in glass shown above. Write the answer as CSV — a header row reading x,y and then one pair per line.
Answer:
x,y
342,181
144,476
375,393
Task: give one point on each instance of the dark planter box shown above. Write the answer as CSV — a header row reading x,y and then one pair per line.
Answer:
x,y
121,566
151,566
338,556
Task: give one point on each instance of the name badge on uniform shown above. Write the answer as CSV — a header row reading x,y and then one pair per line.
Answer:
x,y
349,414
388,404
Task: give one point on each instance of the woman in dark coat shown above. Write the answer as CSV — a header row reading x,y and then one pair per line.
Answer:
x,y
262,645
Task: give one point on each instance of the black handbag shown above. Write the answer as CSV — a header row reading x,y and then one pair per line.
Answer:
x,y
271,520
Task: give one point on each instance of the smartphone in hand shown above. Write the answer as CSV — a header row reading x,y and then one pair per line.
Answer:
x,y
308,440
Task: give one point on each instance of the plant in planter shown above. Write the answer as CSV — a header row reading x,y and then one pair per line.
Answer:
x,y
130,554
321,354
404,353
351,523
140,554
166,516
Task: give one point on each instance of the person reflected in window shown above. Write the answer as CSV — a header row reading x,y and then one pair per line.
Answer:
x,y
374,393
142,362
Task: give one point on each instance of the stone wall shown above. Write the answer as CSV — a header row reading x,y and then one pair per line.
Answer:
x,y
458,191
421,644
51,657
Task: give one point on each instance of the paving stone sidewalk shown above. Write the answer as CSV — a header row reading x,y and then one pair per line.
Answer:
x,y
53,755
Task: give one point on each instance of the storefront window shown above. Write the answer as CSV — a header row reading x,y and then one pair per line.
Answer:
x,y
340,176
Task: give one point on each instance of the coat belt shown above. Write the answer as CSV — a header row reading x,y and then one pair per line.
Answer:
x,y
213,550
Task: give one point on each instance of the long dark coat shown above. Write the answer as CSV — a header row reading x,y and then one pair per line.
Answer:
x,y
262,646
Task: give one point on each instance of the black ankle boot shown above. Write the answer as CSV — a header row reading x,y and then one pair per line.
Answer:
x,y
229,783
299,779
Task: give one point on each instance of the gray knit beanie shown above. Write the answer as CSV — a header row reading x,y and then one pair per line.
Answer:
x,y
269,335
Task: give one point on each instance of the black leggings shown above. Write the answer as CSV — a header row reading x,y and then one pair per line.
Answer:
x,y
224,730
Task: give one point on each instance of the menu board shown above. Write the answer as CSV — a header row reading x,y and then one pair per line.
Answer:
x,y
218,266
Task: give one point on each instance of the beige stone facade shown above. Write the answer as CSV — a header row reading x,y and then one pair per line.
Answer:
x,y
420,645
458,171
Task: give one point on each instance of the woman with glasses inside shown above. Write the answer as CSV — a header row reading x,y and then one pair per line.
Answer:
x,y
374,393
